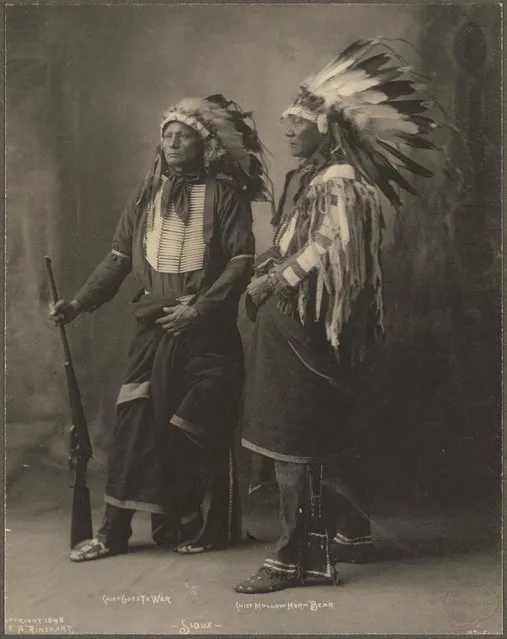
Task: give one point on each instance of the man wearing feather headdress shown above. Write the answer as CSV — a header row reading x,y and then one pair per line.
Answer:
x,y
316,300
187,237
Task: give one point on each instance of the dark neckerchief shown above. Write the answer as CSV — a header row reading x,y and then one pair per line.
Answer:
x,y
176,190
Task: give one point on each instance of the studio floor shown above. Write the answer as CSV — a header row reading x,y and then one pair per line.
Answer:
x,y
434,573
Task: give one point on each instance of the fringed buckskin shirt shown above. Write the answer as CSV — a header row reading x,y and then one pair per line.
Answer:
x,y
206,262
328,231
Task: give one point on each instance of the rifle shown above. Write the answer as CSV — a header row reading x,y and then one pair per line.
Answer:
x,y
80,446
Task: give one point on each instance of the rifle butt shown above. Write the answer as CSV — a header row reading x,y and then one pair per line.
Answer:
x,y
81,526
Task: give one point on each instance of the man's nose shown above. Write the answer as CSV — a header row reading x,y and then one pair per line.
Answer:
x,y
290,133
173,143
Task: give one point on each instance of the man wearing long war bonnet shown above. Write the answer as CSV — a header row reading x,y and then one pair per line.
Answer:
x,y
317,303
187,238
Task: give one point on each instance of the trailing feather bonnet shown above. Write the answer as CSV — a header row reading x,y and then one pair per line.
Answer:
x,y
377,111
232,147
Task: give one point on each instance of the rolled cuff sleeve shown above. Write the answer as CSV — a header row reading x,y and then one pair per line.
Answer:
x,y
104,282
231,284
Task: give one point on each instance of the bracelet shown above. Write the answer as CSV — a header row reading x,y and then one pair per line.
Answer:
x,y
273,282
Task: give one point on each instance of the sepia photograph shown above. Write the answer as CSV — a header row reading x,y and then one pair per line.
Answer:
x,y
253,319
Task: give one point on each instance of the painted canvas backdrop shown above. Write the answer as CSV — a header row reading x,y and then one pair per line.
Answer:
x,y
86,87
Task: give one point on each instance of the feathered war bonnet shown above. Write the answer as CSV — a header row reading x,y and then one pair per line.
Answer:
x,y
376,109
232,147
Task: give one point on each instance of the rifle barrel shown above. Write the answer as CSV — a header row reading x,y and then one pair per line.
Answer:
x,y
80,446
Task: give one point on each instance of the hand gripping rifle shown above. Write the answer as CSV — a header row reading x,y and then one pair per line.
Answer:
x,y
80,446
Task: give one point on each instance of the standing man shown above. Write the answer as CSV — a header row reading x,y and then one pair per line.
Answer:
x,y
187,237
317,302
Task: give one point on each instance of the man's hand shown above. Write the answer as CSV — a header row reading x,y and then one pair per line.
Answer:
x,y
178,318
259,289
63,312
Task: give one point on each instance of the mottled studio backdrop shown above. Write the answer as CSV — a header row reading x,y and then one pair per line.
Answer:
x,y
85,90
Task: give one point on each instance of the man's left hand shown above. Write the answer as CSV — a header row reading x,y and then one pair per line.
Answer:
x,y
178,318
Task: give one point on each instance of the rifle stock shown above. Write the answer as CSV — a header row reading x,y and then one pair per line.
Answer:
x,y
80,445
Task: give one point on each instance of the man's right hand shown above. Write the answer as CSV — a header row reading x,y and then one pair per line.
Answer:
x,y
259,289
64,312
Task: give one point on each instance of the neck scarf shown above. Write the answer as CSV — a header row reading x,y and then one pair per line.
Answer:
x,y
176,190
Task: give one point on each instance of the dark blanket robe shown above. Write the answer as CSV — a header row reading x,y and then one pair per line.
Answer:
x,y
296,402
189,383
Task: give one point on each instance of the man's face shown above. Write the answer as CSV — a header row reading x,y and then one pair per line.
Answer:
x,y
182,146
303,137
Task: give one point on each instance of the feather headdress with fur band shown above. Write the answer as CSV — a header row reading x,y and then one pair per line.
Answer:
x,y
377,110
232,147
